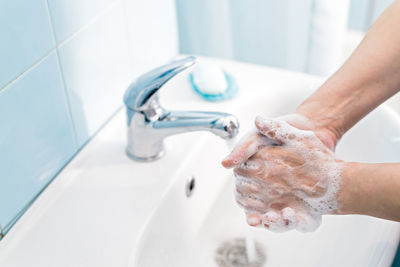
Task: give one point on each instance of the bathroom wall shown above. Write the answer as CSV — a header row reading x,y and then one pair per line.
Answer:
x,y
364,12
301,35
64,66
274,33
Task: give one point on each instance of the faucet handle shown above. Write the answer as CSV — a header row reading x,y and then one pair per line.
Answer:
x,y
142,95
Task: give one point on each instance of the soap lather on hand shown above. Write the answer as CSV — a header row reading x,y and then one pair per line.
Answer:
x,y
286,178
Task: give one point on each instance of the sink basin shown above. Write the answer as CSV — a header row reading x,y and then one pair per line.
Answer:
x,y
192,231
106,210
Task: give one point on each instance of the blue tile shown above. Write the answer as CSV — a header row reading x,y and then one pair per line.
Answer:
x,y
69,16
209,36
97,70
36,136
280,28
153,38
25,36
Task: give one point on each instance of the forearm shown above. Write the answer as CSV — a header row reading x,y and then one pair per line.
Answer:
x,y
370,189
369,77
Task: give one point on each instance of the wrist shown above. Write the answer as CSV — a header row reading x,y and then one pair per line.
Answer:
x,y
328,135
348,195
324,120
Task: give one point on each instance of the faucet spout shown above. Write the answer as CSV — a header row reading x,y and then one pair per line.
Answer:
x,y
146,138
221,124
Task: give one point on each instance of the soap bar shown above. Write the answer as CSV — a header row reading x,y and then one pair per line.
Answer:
x,y
209,78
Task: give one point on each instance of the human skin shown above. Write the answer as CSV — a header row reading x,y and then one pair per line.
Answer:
x,y
369,77
291,181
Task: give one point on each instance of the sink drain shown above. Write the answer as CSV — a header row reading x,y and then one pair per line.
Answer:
x,y
233,253
190,185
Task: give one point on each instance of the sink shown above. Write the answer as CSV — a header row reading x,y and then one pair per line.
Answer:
x,y
105,210
189,231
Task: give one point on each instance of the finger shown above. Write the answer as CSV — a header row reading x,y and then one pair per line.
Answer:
x,y
253,219
279,154
247,188
289,218
310,187
280,221
277,130
327,138
298,121
247,147
250,168
250,204
273,221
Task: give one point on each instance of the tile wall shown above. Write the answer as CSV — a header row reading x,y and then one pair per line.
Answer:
x,y
64,66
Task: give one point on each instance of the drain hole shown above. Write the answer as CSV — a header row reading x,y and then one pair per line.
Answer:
x,y
233,253
190,185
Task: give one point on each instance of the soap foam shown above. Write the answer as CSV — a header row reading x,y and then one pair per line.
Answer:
x,y
255,141
307,204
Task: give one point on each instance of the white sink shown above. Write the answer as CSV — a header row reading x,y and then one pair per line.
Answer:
x,y
106,210
188,231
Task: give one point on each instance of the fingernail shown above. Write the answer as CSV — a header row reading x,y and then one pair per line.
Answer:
x,y
226,162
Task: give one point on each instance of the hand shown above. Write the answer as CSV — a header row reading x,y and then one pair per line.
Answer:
x,y
290,178
255,140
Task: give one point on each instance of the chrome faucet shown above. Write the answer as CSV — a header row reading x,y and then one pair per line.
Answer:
x,y
149,123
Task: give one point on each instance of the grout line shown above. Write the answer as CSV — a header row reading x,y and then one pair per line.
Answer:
x,y
37,62
51,23
66,95
67,98
22,211
89,23
16,217
101,127
33,65
1,232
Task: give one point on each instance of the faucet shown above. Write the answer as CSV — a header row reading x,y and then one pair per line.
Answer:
x,y
149,123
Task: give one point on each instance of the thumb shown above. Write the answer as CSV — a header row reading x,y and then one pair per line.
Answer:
x,y
327,138
246,148
277,130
